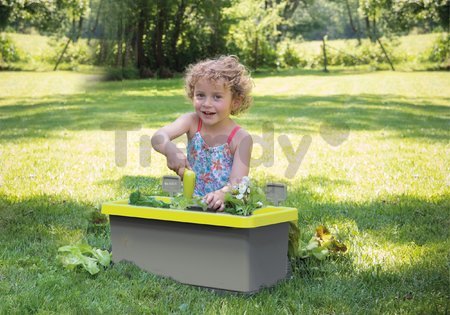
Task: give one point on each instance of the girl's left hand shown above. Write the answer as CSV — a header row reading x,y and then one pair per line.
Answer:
x,y
215,200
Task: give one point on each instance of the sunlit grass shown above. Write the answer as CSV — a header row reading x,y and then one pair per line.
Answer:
x,y
376,172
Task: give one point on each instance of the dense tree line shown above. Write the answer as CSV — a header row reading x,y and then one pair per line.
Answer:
x,y
161,37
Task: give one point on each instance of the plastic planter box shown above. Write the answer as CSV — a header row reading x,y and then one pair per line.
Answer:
x,y
214,250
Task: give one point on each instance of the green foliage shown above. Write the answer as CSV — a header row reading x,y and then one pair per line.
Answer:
x,y
184,203
244,198
72,256
322,244
253,35
8,50
314,19
289,56
440,52
178,202
367,53
138,199
46,16
119,74
78,53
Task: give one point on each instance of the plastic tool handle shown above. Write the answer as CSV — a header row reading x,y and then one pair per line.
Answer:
x,y
188,183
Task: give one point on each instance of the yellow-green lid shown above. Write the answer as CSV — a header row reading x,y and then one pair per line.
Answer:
x,y
260,217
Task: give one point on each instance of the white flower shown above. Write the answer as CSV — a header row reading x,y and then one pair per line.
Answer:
x,y
259,204
240,196
245,180
242,188
248,190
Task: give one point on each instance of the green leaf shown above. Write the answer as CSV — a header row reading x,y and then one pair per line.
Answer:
x,y
320,253
103,257
90,264
85,256
313,243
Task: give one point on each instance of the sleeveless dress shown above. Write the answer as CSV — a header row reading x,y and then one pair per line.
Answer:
x,y
212,165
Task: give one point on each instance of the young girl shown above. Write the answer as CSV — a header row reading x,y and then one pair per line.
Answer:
x,y
218,149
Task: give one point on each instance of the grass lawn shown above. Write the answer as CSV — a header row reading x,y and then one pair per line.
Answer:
x,y
376,171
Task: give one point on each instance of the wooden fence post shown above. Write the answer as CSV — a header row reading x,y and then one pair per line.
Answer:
x,y
324,49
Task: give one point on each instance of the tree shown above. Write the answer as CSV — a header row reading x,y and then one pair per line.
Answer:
x,y
255,30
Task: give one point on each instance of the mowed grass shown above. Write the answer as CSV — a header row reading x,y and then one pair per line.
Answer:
x,y
376,171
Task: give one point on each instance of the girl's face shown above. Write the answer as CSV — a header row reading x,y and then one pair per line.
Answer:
x,y
213,101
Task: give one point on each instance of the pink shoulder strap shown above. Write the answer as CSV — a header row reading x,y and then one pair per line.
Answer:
x,y
199,125
233,132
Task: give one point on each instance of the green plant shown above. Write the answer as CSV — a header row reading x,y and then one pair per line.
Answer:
x,y
72,256
289,56
76,53
178,202
8,50
322,244
440,52
244,198
138,199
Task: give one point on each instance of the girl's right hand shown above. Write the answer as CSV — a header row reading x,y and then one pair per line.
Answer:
x,y
177,161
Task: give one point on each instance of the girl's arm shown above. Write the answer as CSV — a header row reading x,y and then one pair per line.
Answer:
x,y
241,167
162,142
242,155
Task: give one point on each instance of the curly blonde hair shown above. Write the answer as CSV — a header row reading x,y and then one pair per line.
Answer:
x,y
227,68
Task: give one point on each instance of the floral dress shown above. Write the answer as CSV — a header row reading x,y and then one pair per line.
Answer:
x,y
212,165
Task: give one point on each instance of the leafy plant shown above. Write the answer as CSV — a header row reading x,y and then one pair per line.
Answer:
x,y
8,50
178,202
181,202
72,256
138,199
244,198
440,51
322,244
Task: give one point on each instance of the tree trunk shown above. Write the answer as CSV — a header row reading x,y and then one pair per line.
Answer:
x,y
325,59
128,46
352,25
119,56
140,60
176,32
386,54
255,53
159,32
77,34
290,8
62,53
97,17
369,30
74,37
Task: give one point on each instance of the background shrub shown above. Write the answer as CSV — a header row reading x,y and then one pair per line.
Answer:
x,y
440,52
8,50
77,53
289,57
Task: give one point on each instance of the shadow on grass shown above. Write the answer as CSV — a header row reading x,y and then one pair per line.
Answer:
x,y
38,225
393,218
421,118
